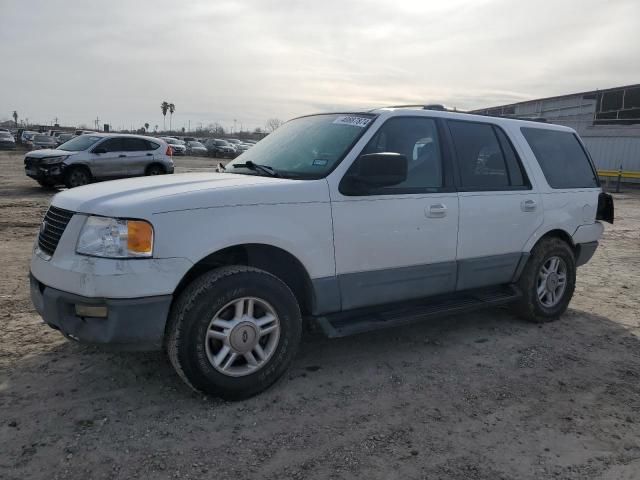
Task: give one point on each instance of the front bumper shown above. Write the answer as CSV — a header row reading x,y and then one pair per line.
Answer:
x,y
131,323
46,172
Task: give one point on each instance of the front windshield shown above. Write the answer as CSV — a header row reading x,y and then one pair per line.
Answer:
x,y
306,147
196,144
80,143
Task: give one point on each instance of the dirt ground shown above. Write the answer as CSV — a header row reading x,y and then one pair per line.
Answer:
x,y
477,396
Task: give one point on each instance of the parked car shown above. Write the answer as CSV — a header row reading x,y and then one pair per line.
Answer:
x,y
63,137
83,132
360,221
220,148
6,141
42,141
27,138
196,148
177,146
243,147
99,156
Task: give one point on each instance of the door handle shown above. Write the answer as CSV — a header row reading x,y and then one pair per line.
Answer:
x,y
149,154
121,156
437,210
528,205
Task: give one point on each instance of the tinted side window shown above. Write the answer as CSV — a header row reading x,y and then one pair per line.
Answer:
x,y
417,139
561,157
480,159
151,145
517,176
134,144
112,145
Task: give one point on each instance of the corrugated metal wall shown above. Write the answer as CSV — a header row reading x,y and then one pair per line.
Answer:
x,y
610,152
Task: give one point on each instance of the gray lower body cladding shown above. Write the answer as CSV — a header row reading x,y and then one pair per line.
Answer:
x,y
131,323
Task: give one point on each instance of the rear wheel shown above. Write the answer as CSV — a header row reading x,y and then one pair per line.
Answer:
x,y
547,282
155,169
234,331
77,177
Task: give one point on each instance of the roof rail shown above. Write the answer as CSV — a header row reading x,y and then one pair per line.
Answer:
x,y
511,117
441,108
430,106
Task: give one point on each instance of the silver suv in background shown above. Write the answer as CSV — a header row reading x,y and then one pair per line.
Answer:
x,y
99,156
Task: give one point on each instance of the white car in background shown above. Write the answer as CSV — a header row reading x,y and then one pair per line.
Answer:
x,y
177,146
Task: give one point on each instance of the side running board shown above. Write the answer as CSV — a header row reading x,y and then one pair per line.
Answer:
x,y
365,320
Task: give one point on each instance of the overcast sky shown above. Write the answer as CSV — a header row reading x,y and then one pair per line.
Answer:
x,y
221,60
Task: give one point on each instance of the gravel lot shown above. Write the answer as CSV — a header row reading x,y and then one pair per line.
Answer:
x,y
479,396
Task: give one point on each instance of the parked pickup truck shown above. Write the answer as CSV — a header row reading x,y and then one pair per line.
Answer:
x,y
358,221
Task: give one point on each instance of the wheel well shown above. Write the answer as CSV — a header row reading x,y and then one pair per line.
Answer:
x,y
155,164
271,259
79,166
562,235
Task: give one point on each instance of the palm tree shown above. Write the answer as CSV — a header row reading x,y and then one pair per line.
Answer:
x,y
146,127
15,117
172,108
164,107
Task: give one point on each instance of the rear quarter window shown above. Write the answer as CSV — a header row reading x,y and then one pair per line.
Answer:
x,y
562,158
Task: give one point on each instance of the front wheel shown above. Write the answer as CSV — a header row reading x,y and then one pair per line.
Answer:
x,y
547,282
233,332
77,177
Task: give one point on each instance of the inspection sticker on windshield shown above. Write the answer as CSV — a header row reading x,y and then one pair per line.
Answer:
x,y
352,120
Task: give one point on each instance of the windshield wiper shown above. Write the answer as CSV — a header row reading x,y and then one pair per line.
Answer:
x,y
256,167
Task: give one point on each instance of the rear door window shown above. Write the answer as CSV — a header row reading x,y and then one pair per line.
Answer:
x,y
486,159
135,144
562,158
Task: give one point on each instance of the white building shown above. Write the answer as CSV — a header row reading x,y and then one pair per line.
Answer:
x,y
607,120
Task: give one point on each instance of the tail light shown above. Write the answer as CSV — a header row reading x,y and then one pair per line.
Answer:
x,y
169,151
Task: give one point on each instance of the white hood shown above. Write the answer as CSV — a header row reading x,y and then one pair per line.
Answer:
x,y
144,196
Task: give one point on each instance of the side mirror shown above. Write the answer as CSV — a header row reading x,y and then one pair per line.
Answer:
x,y
100,150
379,170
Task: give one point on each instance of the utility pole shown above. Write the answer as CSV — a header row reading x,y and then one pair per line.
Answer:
x,y
189,130
234,125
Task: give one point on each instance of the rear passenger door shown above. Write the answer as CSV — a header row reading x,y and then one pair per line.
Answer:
x,y
499,210
139,154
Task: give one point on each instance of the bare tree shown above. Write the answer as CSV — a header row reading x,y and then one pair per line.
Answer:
x,y
15,117
172,108
273,124
146,127
164,107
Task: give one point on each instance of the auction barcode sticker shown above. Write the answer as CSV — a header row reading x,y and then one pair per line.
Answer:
x,y
352,120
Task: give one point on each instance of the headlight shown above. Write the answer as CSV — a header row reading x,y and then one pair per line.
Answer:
x,y
50,160
116,238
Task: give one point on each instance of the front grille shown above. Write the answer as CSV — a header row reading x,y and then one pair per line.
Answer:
x,y
52,228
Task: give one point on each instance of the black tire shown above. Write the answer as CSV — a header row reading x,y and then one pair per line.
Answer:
x,y
77,177
48,184
155,169
530,306
193,311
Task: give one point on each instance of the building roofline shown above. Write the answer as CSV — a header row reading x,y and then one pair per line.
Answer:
x,y
634,85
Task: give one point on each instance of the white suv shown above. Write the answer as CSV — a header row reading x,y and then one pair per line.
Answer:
x,y
359,221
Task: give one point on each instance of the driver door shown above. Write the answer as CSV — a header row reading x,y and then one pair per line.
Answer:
x,y
111,163
399,242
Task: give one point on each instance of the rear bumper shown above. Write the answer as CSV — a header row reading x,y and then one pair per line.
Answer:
x,y
584,252
131,323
